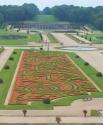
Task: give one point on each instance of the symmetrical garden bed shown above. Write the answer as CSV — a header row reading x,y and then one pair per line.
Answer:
x,y
48,74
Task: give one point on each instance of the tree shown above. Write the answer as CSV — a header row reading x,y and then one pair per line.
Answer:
x,y
30,10
46,100
47,11
58,120
85,113
24,111
1,19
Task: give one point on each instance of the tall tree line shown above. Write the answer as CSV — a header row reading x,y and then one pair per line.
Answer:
x,y
69,13
76,14
18,13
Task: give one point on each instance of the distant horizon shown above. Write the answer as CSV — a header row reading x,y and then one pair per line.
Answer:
x,y
41,4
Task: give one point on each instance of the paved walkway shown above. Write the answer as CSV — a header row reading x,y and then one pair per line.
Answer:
x,y
75,109
4,57
64,39
28,120
94,58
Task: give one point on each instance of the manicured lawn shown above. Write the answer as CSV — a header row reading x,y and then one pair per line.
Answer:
x,y
17,38
35,38
45,18
52,38
96,37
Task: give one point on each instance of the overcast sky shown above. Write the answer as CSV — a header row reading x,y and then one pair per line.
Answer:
x,y
43,3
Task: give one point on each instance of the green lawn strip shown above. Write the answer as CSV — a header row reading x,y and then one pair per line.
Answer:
x,y
97,94
1,50
52,38
89,70
35,38
67,100
95,37
37,105
7,75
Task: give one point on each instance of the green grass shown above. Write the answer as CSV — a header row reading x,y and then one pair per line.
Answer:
x,y
45,18
52,38
1,50
94,113
23,41
96,37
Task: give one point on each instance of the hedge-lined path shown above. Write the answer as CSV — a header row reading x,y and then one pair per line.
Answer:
x,y
4,56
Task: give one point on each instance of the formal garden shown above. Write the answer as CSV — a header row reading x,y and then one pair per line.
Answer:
x,y
47,79
10,37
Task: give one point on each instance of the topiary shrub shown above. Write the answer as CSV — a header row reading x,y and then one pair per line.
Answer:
x,y
11,58
14,52
77,56
1,81
99,74
6,67
41,48
46,100
86,63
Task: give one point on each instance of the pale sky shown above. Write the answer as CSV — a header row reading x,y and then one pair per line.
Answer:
x,y
44,3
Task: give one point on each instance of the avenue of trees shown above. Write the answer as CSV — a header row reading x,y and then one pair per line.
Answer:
x,y
68,13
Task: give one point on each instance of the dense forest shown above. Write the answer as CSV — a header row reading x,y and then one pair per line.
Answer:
x,y
69,13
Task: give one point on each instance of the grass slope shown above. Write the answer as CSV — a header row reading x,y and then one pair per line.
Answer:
x,y
45,18
96,37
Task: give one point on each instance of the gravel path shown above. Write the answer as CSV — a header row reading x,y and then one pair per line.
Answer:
x,y
50,120
64,39
94,58
4,57
74,110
